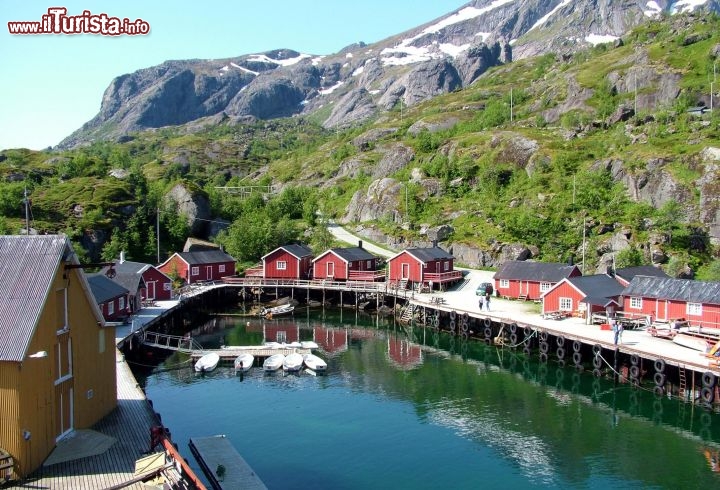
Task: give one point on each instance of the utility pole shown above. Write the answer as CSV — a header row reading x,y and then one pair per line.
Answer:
x,y
583,248
26,201
157,232
511,105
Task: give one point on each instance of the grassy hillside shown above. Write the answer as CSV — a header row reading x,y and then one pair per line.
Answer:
x,y
531,153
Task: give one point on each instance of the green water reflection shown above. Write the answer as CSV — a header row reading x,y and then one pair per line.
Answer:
x,y
447,413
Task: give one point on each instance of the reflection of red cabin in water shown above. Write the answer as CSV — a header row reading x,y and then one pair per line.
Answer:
x,y
281,332
331,340
403,353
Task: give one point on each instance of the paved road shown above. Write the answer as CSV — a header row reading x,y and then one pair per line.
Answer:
x,y
345,236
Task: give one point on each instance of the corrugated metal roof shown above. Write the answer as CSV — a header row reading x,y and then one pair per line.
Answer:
x,y
534,271
597,286
429,254
352,254
105,289
688,290
628,273
28,265
206,257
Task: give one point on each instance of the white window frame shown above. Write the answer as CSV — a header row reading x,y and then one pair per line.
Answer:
x,y
167,286
195,271
221,267
446,265
281,265
565,304
545,286
693,309
636,302
111,307
368,264
121,303
504,283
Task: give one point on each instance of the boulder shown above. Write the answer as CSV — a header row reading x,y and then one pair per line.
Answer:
x,y
194,205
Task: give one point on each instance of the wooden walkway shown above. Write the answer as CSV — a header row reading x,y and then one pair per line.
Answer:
x,y
129,423
223,465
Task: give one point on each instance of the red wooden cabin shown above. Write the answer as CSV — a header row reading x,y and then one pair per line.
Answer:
x,y
582,295
626,274
666,299
144,281
205,265
287,262
347,264
432,267
520,279
111,297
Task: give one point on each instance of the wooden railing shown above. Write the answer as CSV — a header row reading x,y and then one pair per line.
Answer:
x,y
441,277
366,276
359,286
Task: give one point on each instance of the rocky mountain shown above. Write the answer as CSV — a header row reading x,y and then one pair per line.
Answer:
x,y
361,80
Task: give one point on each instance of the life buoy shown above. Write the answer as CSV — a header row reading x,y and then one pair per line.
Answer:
x,y
577,358
597,362
634,359
597,349
513,328
660,379
660,365
543,336
577,345
635,372
487,322
453,314
543,357
708,379
560,341
488,332
544,347
560,352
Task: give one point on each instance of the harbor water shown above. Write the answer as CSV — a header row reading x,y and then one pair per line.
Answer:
x,y
413,408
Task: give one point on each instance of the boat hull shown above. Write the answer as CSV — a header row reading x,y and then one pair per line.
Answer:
x,y
207,363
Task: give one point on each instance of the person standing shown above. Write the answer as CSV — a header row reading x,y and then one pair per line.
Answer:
x,y
481,303
616,332
487,300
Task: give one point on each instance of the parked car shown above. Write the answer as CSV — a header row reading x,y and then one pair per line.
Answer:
x,y
484,288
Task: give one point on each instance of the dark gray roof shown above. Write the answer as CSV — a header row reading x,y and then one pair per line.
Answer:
x,y
295,250
688,290
599,287
105,289
351,254
205,257
128,274
628,273
429,254
28,265
534,271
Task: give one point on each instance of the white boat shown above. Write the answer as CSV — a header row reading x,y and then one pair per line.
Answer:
x,y
294,345
315,363
292,362
693,342
277,310
274,362
244,362
308,344
208,362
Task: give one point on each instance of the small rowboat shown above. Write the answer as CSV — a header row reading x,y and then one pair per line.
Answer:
x,y
273,363
207,363
292,362
315,363
244,362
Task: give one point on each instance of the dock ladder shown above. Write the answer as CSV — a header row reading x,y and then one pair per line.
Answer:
x,y
682,384
170,342
407,313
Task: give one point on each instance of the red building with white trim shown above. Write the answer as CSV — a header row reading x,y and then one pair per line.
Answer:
x,y
111,297
347,264
666,299
582,295
205,265
286,262
519,279
432,267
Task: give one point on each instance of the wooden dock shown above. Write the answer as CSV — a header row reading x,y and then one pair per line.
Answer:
x,y
223,465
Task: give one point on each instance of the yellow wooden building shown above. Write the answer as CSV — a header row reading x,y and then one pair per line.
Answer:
x,y
57,357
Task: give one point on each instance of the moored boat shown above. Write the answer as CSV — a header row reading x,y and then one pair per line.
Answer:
x,y
274,362
292,362
308,344
315,363
694,342
207,362
244,362
277,310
